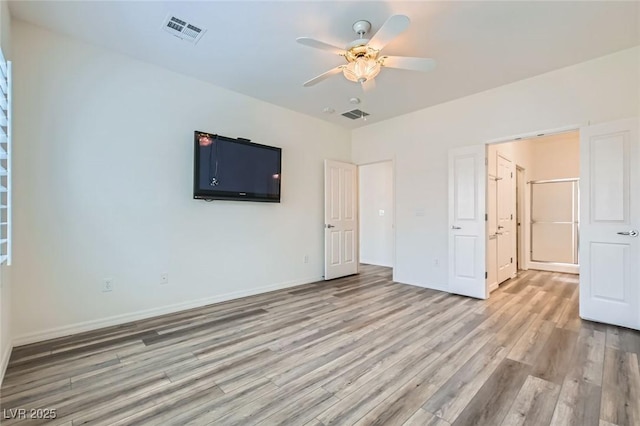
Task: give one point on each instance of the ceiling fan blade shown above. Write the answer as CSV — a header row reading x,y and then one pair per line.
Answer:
x,y
392,28
317,44
369,85
324,76
408,63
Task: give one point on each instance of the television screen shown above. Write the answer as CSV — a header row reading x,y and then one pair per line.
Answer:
x,y
235,169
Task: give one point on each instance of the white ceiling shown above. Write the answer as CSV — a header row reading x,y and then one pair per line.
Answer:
x,y
250,47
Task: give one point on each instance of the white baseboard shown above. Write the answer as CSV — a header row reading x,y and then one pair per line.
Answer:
x,y
555,267
81,327
4,362
430,286
376,263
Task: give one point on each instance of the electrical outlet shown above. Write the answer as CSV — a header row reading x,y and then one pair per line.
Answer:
x,y
305,259
164,278
107,285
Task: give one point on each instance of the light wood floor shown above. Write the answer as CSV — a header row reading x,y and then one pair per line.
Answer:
x,y
361,350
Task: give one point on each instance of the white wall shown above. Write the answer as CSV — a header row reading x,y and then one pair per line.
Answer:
x,y
555,156
103,188
6,330
600,90
376,213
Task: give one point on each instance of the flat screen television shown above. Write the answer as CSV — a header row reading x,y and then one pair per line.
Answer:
x,y
235,169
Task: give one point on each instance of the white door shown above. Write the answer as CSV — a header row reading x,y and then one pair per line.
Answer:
x,y
610,221
492,237
467,186
340,219
505,210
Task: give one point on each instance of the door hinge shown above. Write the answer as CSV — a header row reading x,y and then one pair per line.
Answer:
x,y
511,216
511,260
512,175
486,217
486,275
486,161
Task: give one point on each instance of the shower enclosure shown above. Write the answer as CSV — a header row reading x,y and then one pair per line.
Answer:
x,y
555,226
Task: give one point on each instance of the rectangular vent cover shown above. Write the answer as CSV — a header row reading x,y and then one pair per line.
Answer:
x,y
183,29
355,114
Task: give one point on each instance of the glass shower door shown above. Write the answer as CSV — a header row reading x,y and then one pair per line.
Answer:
x,y
554,221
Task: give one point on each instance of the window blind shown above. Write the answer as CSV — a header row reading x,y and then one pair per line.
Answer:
x,y
5,160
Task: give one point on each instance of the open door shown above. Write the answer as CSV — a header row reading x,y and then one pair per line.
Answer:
x,y
340,219
505,214
467,191
610,222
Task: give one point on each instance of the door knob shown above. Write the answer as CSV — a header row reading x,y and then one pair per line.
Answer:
x,y
632,233
500,227
456,227
330,226
498,233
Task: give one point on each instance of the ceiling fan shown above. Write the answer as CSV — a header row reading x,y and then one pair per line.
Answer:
x,y
363,55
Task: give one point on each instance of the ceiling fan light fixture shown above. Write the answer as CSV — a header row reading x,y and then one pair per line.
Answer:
x,y
363,55
361,70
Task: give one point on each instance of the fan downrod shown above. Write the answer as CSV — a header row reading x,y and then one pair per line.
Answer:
x,y
361,28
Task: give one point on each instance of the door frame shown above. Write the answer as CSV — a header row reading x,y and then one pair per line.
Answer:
x,y
530,135
521,186
393,207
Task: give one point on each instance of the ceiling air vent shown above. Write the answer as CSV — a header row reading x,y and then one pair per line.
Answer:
x,y
183,29
355,114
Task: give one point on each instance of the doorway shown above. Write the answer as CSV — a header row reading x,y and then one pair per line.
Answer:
x,y
376,202
607,218
533,183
